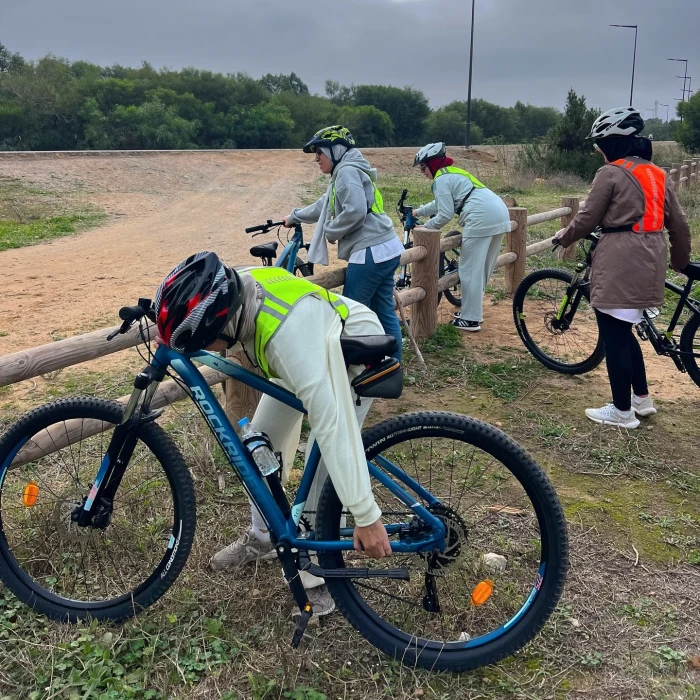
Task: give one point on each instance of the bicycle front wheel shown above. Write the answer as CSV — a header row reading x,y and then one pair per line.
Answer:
x,y
449,263
48,461
504,566
571,345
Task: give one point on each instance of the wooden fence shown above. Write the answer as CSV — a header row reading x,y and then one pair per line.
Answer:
x,y
421,297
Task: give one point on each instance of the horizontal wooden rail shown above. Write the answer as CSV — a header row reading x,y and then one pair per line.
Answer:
x,y
535,219
450,280
26,364
68,432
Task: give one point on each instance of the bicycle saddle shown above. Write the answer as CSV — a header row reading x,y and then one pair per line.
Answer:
x,y
265,250
692,271
367,349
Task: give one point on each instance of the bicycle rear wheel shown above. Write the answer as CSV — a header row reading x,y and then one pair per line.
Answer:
x,y
449,263
573,346
504,567
48,460
690,343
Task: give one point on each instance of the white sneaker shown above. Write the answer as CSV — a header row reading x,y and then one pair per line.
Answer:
x,y
609,415
320,599
643,407
246,549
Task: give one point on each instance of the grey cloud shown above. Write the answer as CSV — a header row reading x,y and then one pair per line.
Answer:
x,y
529,50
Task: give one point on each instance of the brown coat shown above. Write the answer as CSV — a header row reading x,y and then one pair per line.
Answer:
x,y
629,268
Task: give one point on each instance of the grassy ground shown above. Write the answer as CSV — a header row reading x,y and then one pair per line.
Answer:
x,y
626,627
29,216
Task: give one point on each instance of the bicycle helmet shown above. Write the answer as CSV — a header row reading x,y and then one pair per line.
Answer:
x,y
622,121
330,136
196,301
432,150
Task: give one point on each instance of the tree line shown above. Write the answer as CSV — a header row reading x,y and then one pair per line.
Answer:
x,y
56,104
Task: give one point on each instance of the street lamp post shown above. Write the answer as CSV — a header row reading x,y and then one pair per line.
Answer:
x,y
689,80
685,77
634,55
663,105
468,137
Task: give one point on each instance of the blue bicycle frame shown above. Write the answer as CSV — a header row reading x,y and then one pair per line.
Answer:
x,y
288,257
283,529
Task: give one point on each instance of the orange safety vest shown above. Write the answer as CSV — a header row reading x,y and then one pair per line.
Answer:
x,y
653,182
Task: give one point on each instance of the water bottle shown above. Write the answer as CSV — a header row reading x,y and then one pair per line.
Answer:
x,y
259,446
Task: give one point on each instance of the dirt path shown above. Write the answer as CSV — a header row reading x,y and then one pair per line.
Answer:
x,y
163,208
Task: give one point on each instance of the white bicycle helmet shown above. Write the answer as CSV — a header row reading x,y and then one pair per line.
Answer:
x,y
432,150
622,121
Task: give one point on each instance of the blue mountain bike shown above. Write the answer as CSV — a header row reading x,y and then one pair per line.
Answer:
x,y
98,514
289,259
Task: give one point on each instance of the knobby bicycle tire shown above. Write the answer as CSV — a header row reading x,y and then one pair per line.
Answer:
x,y
449,263
524,325
157,524
450,655
690,343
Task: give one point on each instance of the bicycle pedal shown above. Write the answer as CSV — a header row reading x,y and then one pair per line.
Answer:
x,y
306,615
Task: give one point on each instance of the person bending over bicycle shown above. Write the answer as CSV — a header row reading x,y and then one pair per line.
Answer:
x,y
351,213
291,328
632,200
483,216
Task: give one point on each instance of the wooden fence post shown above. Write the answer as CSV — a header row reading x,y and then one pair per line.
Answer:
x,y
425,275
694,172
241,400
573,204
516,242
688,164
676,176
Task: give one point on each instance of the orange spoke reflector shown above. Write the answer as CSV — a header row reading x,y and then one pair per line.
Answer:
x,y
482,592
30,495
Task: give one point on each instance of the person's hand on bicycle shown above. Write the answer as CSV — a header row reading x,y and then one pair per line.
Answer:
x,y
556,239
372,540
287,222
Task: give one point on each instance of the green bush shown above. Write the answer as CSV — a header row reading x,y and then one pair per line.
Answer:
x,y
688,132
565,148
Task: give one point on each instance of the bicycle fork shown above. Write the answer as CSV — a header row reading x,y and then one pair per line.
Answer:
x,y
96,509
569,304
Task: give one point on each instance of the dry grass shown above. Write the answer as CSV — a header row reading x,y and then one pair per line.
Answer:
x,y
626,627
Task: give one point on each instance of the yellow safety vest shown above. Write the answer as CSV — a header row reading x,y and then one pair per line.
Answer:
x,y
458,171
281,291
376,208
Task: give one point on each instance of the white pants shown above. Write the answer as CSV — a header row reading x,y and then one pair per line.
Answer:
x,y
477,260
283,426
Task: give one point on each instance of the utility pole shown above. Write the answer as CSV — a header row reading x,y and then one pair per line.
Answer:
x,y
634,55
468,136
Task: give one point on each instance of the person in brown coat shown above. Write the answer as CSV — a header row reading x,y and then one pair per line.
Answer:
x,y
633,201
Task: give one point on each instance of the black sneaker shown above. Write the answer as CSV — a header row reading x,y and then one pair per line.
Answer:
x,y
457,314
466,325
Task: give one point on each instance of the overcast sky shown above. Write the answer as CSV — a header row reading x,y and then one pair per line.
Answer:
x,y
529,50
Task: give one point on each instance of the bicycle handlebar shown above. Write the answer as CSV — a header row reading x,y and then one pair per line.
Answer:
x,y
130,314
264,228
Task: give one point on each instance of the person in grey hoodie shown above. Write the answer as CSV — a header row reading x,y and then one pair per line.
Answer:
x,y
351,214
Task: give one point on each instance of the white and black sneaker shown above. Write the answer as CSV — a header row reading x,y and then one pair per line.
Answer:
x,y
457,314
466,325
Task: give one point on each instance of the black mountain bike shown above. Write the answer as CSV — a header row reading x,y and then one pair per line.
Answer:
x,y
449,259
555,320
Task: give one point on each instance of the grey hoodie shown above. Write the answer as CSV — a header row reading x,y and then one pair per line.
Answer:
x,y
351,224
